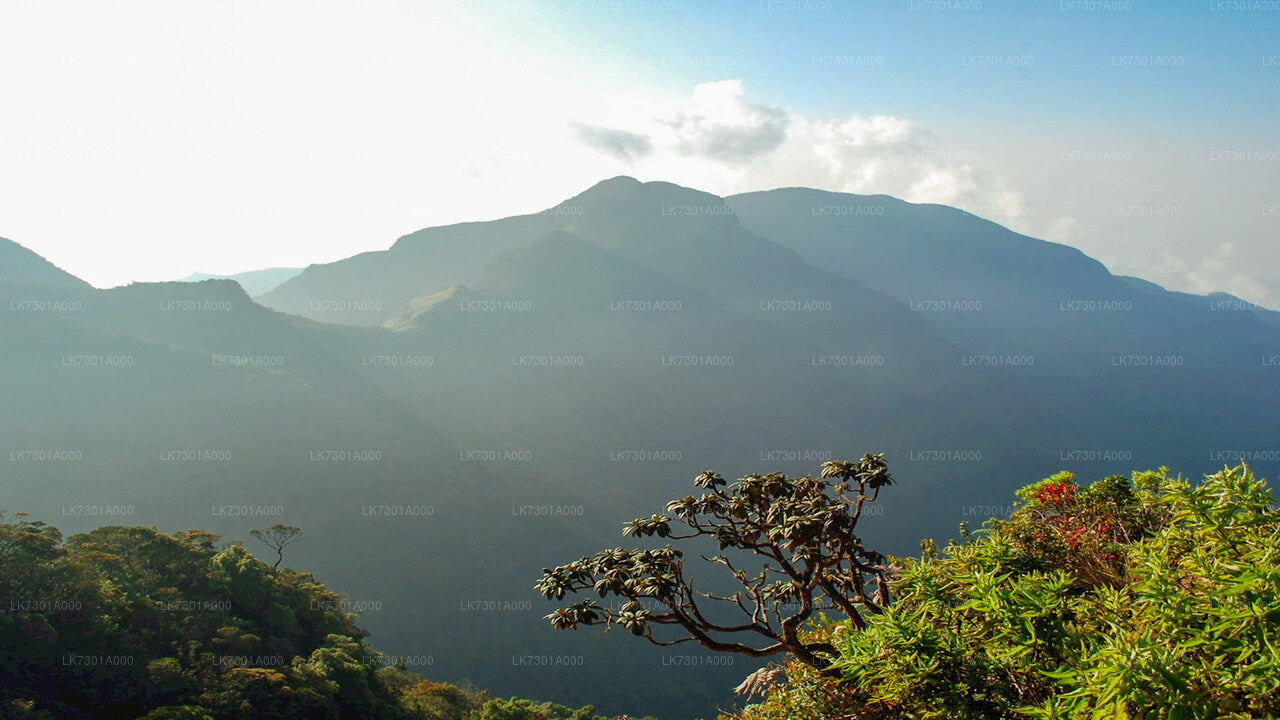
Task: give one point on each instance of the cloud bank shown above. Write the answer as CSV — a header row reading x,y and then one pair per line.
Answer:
x,y
719,140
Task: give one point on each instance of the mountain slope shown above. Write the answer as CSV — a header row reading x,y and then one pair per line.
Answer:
x,y
1168,369
254,282
20,266
368,288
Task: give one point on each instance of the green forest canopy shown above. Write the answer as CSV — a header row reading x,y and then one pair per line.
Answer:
x,y
130,622
1142,597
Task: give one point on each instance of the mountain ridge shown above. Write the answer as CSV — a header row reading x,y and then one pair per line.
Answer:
x,y
19,264
254,282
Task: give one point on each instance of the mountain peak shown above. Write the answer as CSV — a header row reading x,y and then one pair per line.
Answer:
x,y
612,184
600,190
653,213
20,264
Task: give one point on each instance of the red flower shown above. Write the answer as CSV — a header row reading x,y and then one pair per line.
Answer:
x,y
1056,494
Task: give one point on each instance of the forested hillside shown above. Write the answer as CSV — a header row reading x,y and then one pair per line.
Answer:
x,y
131,622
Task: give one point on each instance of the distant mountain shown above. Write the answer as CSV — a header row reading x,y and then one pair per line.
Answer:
x,y
254,282
419,264
1170,363
22,267
537,380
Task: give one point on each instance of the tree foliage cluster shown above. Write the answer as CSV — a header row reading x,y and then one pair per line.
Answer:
x,y
131,622
803,528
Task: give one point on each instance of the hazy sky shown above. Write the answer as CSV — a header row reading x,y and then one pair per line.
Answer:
x,y
147,140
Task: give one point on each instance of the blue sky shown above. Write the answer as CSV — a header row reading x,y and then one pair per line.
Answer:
x,y
1222,82
154,138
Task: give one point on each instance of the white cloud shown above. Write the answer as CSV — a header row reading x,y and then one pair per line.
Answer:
x,y
719,125
717,140
1217,271
621,144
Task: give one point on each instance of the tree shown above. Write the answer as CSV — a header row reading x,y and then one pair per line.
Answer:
x,y
1147,597
803,527
519,709
277,537
202,539
180,630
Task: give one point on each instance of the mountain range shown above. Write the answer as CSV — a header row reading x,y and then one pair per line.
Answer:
x,y
448,416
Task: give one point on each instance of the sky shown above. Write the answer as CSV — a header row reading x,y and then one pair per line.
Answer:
x,y
147,140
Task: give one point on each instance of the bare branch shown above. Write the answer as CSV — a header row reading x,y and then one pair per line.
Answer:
x,y
803,527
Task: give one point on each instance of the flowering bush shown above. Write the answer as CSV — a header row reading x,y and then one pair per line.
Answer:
x,y
1085,532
